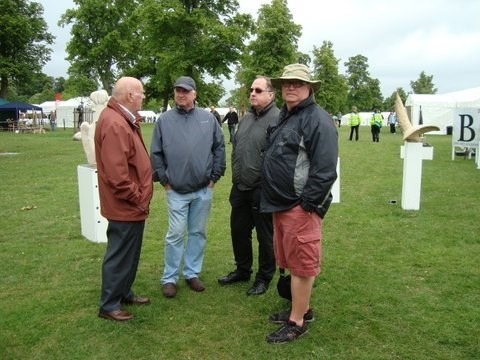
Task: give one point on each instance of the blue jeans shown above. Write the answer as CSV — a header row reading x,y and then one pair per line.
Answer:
x,y
231,130
186,213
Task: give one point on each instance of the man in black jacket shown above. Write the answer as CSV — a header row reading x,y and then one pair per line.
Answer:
x,y
232,120
299,169
248,145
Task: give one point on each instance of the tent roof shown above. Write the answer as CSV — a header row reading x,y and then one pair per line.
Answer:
x,y
18,105
453,99
3,101
147,113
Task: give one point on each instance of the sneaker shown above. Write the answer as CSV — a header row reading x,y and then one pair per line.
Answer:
x,y
283,316
287,332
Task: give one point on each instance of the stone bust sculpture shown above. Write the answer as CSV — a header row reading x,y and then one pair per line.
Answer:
x,y
99,99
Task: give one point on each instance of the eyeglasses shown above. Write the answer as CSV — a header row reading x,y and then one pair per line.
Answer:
x,y
295,84
258,90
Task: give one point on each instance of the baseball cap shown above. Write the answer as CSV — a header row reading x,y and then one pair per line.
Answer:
x,y
185,82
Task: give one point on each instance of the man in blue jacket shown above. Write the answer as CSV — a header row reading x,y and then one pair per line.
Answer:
x,y
188,158
299,169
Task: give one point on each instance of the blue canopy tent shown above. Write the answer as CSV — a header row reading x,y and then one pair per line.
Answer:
x,y
10,111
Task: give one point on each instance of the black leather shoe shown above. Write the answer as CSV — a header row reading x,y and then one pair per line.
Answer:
x,y
233,277
258,288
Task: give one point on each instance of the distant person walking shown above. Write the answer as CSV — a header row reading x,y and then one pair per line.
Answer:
x,y
232,120
53,120
354,122
216,114
392,122
376,123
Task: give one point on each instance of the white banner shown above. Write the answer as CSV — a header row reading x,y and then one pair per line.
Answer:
x,y
466,127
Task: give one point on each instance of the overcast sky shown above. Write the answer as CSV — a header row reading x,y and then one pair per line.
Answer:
x,y
400,39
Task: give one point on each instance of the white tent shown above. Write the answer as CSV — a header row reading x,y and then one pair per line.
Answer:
x,y
439,110
148,115
65,109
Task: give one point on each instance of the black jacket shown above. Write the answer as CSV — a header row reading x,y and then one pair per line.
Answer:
x,y
249,142
231,118
300,162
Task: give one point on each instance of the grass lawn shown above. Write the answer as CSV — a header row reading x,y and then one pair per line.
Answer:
x,y
395,284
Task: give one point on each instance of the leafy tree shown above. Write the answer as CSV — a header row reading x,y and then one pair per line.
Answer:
x,y
376,94
364,91
423,85
24,42
303,58
47,94
389,103
41,83
200,39
275,45
78,85
104,38
59,84
333,92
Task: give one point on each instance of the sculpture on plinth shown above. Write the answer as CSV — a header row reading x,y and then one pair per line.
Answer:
x,y
410,133
87,130
414,150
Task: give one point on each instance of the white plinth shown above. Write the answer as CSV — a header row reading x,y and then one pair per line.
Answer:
x,y
336,185
413,153
94,225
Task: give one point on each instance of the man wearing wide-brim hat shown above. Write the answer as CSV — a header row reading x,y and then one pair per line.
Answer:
x,y
299,170
296,73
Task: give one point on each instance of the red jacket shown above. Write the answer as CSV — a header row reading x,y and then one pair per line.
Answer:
x,y
124,171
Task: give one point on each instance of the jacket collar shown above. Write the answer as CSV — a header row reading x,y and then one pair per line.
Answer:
x,y
302,105
264,110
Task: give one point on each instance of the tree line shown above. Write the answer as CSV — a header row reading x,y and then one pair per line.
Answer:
x,y
159,40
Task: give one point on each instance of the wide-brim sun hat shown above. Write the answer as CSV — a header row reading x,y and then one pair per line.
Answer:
x,y
299,72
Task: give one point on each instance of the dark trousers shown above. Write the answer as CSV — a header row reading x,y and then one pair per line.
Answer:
x,y
375,133
244,217
352,129
120,262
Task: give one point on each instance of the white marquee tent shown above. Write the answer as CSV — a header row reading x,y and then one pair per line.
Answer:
x,y
440,110
65,109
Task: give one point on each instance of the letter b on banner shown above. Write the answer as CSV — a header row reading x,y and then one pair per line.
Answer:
x,y
466,127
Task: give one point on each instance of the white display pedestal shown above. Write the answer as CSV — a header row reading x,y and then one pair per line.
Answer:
x,y
94,225
336,185
412,154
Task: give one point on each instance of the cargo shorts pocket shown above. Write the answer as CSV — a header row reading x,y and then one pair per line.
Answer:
x,y
308,249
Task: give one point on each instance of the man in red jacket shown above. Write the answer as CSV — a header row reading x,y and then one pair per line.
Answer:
x,y
125,189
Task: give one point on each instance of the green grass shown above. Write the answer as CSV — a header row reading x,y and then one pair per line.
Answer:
x,y
395,284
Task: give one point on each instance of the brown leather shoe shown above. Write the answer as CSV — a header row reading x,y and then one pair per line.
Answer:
x,y
169,290
195,284
117,315
137,300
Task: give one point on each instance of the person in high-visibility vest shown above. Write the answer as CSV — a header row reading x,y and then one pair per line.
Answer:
x,y
376,123
354,122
